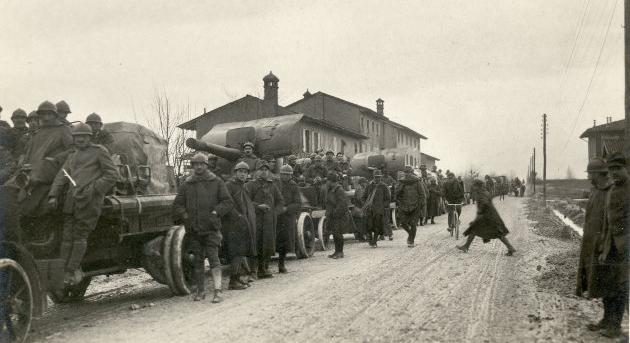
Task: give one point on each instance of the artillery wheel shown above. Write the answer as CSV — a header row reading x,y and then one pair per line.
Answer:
x,y
323,234
393,212
16,301
167,259
154,264
305,242
181,259
70,294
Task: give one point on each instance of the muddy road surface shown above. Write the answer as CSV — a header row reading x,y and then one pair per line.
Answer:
x,y
430,293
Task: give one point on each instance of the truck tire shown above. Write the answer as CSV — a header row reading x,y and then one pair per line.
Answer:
x,y
305,236
71,294
153,260
17,292
167,259
26,261
181,263
323,235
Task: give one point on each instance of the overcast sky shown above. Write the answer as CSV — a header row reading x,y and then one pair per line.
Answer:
x,y
472,76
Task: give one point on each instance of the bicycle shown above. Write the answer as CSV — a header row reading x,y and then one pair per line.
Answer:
x,y
454,229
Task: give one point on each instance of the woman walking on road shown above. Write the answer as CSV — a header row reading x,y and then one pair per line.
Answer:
x,y
488,224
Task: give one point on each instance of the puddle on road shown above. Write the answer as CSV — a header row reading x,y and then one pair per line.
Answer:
x,y
569,222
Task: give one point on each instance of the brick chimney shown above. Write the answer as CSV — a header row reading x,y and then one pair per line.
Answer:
x,y
380,107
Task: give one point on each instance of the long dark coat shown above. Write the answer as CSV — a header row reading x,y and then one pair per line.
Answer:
x,y
337,213
410,199
239,225
94,173
488,224
265,192
381,199
433,203
196,198
287,221
593,225
609,276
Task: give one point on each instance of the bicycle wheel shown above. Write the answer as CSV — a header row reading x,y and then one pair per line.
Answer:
x,y
456,228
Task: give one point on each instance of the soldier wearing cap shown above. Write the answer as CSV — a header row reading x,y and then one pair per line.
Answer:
x,y
200,203
18,131
212,165
376,199
337,213
329,163
268,202
239,228
45,154
63,109
593,220
287,219
609,273
86,176
316,172
410,199
249,157
100,135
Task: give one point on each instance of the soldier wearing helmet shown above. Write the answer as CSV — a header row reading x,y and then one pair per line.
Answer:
x,y
18,132
86,176
316,172
249,156
200,203
239,229
297,168
268,202
100,136
287,220
337,212
63,109
593,221
45,154
212,166
33,121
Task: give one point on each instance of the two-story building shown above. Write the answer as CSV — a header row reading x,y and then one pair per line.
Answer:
x,y
382,132
316,133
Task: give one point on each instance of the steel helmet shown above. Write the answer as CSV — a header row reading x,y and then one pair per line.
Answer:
x,y
32,115
408,169
199,158
93,118
63,107
330,152
241,165
81,129
596,165
47,106
291,158
378,173
248,144
18,113
317,158
212,156
286,169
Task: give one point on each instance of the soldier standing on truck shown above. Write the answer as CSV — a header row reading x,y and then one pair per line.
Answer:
x,y
86,176
268,202
18,131
249,157
100,135
239,227
376,199
63,109
287,219
199,204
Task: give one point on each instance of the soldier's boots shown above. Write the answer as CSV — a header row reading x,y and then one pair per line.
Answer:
x,y
200,279
74,275
201,295
281,268
218,297
263,273
236,284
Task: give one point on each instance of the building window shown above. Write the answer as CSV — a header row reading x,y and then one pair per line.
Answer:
x,y
378,129
362,125
306,141
316,140
343,146
373,127
356,148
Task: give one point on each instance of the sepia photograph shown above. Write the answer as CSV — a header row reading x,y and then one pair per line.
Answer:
x,y
314,171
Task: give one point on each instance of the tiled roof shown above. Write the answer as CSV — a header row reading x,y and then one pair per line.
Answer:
x,y
429,156
618,125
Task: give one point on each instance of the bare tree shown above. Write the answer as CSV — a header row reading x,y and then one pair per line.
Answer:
x,y
166,115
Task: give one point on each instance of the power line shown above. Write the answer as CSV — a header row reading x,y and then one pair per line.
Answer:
x,y
590,83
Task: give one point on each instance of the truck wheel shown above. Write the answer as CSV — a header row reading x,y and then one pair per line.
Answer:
x,y
182,269
305,242
71,294
26,261
153,259
168,274
16,301
322,234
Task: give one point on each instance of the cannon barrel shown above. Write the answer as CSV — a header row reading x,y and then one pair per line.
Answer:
x,y
391,160
229,154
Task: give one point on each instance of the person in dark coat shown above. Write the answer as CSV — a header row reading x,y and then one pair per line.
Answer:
x,y
7,161
376,199
337,214
287,219
488,224
330,163
249,157
268,202
358,215
316,172
454,194
297,168
19,130
200,203
100,135
85,177
410,198
239,227
433,202
609,276
593,220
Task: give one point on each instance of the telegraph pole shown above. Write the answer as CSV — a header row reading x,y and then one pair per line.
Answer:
x,y
545,158
627,67
534,171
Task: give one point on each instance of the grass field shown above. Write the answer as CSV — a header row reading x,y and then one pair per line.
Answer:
x,y
565,189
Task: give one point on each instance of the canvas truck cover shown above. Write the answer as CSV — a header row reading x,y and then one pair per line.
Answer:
x,y
138,146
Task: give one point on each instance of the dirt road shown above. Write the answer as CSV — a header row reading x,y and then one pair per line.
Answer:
x,y
430,293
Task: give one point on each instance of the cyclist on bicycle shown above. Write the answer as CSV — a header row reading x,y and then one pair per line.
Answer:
x,y
454,194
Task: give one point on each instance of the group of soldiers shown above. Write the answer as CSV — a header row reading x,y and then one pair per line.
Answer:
x,y
603,266
57,171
